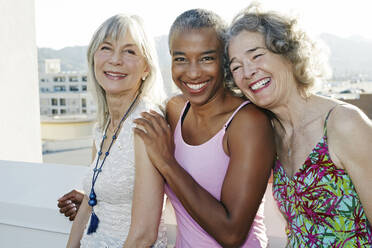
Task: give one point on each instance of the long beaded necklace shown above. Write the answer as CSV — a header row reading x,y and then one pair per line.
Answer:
x,y
94,221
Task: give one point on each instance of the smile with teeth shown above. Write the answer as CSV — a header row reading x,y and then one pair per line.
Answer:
x,y
196,86
115,74
260,84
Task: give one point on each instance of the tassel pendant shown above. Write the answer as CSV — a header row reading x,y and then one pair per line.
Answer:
x,y
94,221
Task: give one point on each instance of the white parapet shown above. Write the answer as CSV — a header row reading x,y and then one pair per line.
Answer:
x,y
28,203
29,215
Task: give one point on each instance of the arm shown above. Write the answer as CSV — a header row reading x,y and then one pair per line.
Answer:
x,y
350,143
251,145
69,203
147,200
79,224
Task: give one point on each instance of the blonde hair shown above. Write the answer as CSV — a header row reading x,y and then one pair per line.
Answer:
x,y
114,28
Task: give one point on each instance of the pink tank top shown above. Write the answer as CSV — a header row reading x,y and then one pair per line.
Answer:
x,y
207,164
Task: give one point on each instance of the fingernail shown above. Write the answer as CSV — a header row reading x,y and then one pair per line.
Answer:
x,y
73,205
68,201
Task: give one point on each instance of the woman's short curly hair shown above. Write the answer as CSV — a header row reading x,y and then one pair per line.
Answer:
x,y
282,36
198,19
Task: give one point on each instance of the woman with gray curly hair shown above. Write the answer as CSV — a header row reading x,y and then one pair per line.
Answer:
x,y
323,172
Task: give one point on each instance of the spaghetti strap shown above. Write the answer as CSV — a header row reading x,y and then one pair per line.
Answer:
x,y
184,112
236,111
326,119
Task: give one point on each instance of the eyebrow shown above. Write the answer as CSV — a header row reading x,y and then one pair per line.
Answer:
x,y
247,52
203,53
126,45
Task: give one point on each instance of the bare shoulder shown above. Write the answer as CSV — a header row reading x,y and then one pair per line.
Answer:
x,y
249,132
251,116
251,123
174,109
346,120
349,133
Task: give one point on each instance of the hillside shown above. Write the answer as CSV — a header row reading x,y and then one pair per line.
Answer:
x,y
350,57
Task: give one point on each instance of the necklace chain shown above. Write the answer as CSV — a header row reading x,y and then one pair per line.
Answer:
x,y
97,170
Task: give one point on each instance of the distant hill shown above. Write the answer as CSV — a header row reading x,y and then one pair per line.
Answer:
x,y
349,58
72,58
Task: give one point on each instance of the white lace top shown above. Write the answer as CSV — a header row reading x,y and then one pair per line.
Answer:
x,y
114,188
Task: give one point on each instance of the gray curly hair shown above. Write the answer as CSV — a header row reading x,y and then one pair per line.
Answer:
x,y
282,36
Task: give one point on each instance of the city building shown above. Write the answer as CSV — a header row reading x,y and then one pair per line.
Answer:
x,y
64,93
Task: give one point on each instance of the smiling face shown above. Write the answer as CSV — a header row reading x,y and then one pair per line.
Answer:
x,y
197,64
264,77
119,65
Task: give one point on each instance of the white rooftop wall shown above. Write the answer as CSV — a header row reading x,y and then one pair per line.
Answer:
x,y
28,204
19,97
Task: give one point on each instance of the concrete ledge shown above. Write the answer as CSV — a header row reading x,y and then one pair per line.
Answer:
x,y
28,203
30,218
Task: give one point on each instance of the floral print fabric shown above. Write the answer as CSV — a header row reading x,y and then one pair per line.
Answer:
x,y
320,204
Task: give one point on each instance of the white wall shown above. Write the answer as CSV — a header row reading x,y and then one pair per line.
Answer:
x,y
28,204
19,91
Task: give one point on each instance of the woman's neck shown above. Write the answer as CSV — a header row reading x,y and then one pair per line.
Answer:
x,y
211,108
293,113
118,105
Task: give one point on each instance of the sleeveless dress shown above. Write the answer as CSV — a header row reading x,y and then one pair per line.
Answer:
x,y
207,164
114,188
320,203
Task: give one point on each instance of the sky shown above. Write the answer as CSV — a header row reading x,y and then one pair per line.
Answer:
x,y
61,23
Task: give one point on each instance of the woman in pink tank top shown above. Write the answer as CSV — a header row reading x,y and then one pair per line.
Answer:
x,y
217,152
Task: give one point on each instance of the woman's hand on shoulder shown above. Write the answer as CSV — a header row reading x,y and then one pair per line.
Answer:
x,y
155,132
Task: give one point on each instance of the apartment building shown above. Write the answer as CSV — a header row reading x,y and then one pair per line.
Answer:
x,y
64,93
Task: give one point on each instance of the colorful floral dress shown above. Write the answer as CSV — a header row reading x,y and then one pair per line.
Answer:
x,y
320,203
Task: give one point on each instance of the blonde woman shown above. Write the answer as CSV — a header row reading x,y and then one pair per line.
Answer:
x,y
123,192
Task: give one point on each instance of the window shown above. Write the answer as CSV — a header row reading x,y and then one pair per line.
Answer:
x,y
59,79
62,102
59,88
43,89
63,111
84,78
84,102
54,111
73,79
74,88
84,111
54,102
84,88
